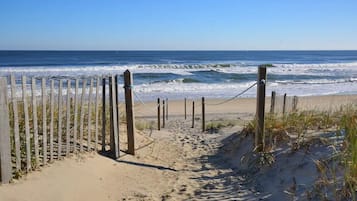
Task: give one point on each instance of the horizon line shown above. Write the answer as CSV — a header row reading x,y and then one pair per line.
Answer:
x,y
168,50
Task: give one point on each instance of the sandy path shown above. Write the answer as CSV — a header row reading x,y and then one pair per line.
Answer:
x,y
176,163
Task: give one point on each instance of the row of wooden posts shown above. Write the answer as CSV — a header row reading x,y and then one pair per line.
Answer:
x,y
23,144
165,113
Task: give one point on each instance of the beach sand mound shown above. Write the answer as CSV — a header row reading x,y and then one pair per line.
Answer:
x,y
308,172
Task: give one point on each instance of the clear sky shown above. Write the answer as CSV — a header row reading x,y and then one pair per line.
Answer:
x,y
178,25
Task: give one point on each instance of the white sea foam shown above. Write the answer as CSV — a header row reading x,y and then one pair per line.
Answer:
x,y
332,78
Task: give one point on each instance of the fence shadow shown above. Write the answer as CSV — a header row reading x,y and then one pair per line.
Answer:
x,y
229,183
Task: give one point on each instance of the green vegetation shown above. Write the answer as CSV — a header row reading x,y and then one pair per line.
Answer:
x,y
302,129
215,125
142,125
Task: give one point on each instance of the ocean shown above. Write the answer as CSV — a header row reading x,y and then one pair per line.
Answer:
x,y
192,74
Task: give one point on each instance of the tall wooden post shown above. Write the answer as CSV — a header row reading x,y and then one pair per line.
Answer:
x,y
260,113
5,148
117,100
130,120
203,115
284,104
158,114
163,113
114,123
193,114
272,102
103,113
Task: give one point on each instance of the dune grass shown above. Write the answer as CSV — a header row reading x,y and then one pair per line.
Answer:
x,y
299,129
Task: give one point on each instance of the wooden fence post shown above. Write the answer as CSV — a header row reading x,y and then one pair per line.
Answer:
x,y
117,101
96,113
167,109
203,115
52,111
5,147
295,103
16,123
59,136
185,108
35,123
68,118
163,113
130,120
272,102
81,117
158,114
114,123
27,125
260,113
89,136
284,104
44,121
193,114
75,124
103,113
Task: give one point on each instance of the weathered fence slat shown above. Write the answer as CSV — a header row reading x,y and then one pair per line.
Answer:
x,y
130,120
90,115
16,123
5,147
81,118
27,125
52,111
76,100
35,123
59,134
103,113
115,138
96,113
68,118
44,122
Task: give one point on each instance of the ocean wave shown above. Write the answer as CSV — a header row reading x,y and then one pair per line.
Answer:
x,y
323,69
317,81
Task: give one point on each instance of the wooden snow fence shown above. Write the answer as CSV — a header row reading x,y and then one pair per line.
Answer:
x,y
43,119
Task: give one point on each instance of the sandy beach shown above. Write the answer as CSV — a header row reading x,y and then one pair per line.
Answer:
x,y
176,163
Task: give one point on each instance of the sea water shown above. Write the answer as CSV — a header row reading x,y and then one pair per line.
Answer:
x,y
192,74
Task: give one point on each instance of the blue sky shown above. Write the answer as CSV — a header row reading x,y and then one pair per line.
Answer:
x,y
178,25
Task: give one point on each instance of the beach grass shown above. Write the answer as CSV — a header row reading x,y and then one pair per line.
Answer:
x,y
303,129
